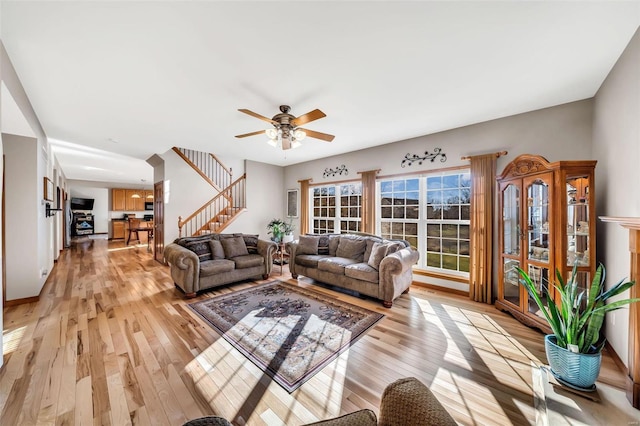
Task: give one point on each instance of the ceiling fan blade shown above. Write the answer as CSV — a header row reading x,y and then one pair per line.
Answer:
x,y
318,135
251,134
308,117
256,115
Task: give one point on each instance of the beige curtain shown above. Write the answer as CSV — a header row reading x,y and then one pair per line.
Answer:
x,y
483,183
304,206
369,201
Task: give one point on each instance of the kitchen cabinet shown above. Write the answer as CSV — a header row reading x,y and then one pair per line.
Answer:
x,y
118,229
547,222
134,203
118,199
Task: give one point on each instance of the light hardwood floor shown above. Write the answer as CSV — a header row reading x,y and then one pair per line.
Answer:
x,y
111,341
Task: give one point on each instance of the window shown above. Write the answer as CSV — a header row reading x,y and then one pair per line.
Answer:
x,y
336,208
432,213
400,208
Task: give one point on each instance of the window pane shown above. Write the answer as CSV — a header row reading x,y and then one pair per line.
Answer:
x,y
449,231
450,262
386,186
433,230
464,232
398,212
411,228
433,260
397,228
434,197
413,184
434,212
451,212
386,212
452,181
385,227
465,213
413,212
450,246
413,241
464,247
464,264
433,244
434,182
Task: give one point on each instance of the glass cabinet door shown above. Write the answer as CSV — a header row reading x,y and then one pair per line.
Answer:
x,y
511,220
578,221
538,239
538,221
511,236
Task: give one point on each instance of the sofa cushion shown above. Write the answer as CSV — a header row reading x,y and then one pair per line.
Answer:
x,y
335,265
351,248
251,241
309,260
362,271
212,267
378,252
184,240
248,261
201,248
234,247
308,244
216,249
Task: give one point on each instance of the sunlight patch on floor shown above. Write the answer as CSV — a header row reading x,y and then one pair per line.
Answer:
x,y
11,339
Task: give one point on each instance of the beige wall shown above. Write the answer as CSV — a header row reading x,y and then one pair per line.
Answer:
x,y
558,133
616,145
265,199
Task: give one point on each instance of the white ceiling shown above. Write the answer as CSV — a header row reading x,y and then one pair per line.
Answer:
x,y
152,75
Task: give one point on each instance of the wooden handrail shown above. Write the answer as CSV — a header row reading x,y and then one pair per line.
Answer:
x,y
228,170
196,169
225,193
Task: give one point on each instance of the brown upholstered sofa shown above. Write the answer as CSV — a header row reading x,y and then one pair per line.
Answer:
x,y
363,263
207,261
405,402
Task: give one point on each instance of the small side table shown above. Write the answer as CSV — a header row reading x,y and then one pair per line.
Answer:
x,y
280,256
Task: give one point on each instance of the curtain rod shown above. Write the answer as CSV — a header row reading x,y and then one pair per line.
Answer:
x,y
497,154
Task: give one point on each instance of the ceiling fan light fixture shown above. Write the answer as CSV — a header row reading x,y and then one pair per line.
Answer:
x,y
295,144
273,142
299,135
271,133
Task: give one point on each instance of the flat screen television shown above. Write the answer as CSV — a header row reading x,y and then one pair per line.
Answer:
x,y
81,203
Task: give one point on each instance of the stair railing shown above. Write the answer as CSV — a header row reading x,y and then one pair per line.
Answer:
x,y
217,213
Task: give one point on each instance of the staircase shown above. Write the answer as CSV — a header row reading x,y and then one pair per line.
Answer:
x,y
229,202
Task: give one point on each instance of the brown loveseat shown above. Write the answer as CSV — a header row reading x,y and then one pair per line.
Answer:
x,y
207,261
363,263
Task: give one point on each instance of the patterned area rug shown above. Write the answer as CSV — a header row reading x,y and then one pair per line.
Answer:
x,y
289,332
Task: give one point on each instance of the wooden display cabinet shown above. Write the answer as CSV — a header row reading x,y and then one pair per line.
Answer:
x,y
546,223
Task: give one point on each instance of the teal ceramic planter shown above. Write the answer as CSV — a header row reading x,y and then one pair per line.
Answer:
x,y
578,370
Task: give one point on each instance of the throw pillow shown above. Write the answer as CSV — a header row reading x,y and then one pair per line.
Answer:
x,y
234,247
378,252
201,248
351,249
394,247
307,245
333,245
370,242
216,249
251,241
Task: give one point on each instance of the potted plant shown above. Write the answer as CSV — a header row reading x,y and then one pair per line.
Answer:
x,y
278,229
574,348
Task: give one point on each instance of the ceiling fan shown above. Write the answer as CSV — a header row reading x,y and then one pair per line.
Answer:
x,y
286,131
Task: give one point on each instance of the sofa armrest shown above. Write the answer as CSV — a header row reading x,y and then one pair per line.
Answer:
x,y
292,247
184,266
266,249
396,274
